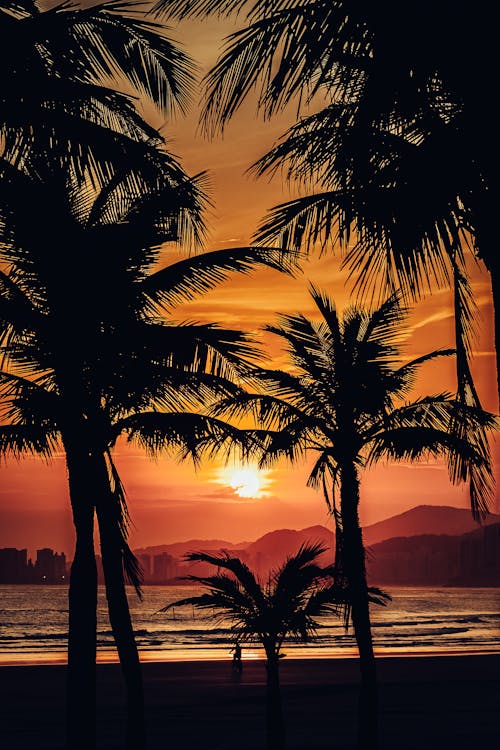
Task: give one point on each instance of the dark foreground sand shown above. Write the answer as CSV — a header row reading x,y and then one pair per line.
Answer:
x,y
425,703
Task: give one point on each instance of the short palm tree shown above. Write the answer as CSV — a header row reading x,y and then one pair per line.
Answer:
x,y
124,367
286,606
344,399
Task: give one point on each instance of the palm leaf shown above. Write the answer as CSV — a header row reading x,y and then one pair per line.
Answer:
x,y
189,278
190,435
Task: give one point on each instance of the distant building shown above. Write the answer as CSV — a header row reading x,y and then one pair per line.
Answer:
x,y
13,565
165,568
50,566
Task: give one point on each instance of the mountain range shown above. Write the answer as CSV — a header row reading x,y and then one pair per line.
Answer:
x,y
427,545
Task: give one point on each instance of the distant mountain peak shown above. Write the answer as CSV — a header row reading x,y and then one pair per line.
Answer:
x,y
277,544
425,519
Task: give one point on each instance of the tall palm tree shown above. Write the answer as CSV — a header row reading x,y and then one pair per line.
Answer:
x,y
398,161
286,606
57,69
344,399
127,367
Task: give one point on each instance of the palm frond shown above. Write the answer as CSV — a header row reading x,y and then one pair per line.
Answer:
x,y
121,519
428,428
18,440
99,41
192,277
197,8
188,435
237,567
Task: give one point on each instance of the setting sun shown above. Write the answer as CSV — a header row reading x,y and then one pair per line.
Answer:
x,y
245,482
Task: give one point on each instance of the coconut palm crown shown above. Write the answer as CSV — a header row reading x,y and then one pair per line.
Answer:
x,y
266,613
395,161
347,374
56,97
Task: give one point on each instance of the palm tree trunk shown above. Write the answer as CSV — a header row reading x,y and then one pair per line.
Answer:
x,y
81,675
355,572
275,725
119,612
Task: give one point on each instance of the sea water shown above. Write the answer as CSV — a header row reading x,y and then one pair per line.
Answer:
x,y
34,625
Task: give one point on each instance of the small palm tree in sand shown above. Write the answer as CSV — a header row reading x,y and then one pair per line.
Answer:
x,y
286,606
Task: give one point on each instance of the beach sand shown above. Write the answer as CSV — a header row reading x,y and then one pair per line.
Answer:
x,y
426,703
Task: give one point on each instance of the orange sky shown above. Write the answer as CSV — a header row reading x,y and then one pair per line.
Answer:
x,y
171,502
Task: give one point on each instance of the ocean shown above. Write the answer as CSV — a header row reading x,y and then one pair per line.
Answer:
x,y
34,626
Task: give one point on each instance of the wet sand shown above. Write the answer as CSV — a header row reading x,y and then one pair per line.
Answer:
x,y
426,703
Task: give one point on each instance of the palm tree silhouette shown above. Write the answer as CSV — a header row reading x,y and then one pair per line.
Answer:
x,y
398,161
57,67
344,399
286,606
126,369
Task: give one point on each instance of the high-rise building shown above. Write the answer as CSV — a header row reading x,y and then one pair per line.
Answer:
x,y
13,565
164,567
50,566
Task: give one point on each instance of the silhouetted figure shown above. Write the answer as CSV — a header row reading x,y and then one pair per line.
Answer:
x,y
237,663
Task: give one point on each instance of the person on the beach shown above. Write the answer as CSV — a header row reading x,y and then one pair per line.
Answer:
x,y
237,663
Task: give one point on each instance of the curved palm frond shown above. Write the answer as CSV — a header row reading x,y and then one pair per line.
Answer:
x,y
191,277
117,510
115,36
192,435
70,42
237,567
296,593
198,8
442,427
18,440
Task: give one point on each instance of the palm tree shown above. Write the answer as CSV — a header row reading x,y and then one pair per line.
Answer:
x,y
127,367
57,67
344,399
286,606
397,159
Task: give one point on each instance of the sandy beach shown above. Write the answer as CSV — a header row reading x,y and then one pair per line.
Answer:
x,y
426,702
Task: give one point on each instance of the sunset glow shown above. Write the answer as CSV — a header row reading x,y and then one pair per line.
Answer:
x,y
245,480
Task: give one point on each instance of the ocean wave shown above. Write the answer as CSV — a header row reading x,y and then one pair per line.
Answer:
x,y
412,621
430,619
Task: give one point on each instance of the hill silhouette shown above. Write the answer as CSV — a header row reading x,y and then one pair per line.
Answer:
x,y
429,527
179,549
425,519
269,550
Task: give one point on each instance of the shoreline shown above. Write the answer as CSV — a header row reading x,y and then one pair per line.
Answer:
x,y
249,655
